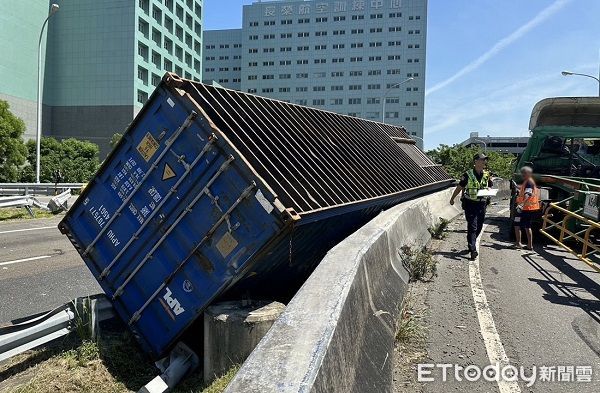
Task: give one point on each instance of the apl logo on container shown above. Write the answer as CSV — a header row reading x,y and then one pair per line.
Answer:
x,y
171,304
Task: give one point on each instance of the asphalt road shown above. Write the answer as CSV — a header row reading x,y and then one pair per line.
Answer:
x,y
530,309
39,269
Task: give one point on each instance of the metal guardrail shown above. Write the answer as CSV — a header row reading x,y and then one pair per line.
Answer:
x,y
49,189
35,332
582,238
26,201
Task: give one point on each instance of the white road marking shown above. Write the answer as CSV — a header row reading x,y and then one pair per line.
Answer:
x,y
493,344
27,230
25,260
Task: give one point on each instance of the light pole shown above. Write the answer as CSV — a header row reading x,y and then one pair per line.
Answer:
x,y
484,144
38,141
387,92
597,79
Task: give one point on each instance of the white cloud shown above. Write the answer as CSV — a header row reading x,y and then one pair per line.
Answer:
x,y
502,44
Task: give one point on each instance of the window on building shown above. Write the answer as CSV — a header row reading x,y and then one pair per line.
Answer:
x,y
157,14
156,59
145,5
169,46
356,73
142,96
337,101
156,37
319,102
143,75
143,51
354,101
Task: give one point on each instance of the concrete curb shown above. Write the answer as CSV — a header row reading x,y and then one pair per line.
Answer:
x,y
337,334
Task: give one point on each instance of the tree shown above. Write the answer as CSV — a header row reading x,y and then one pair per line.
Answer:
x,y
68,161
13,152
457,159
115,139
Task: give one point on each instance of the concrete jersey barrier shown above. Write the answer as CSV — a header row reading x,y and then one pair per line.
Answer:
x,y
337,334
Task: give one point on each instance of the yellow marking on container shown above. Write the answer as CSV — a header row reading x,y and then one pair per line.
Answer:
x,y
148,147
168,173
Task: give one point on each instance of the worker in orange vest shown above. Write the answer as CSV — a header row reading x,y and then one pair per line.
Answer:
x,y
527,203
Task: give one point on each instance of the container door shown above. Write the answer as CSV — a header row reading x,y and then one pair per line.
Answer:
x,y
171,220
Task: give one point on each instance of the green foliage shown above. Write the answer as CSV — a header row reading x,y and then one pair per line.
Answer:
x,y
409,326
114,140
438,231
12,148
420,263
457,159
67,161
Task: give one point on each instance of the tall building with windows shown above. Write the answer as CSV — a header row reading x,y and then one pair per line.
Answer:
x,y
346,56
104,58
20,26
223,57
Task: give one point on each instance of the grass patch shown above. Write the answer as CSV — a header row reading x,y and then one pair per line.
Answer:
x,y
438,231
409,327
194,383
420,263
20,213
114,364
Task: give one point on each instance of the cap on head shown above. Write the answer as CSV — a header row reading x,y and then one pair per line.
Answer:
x,y
480,156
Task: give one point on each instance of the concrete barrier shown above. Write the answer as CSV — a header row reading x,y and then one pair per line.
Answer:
x,y
337,334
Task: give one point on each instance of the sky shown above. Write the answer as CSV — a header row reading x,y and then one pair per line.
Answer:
x,y
490,61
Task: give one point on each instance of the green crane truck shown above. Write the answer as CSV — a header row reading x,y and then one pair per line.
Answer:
x,y
564,152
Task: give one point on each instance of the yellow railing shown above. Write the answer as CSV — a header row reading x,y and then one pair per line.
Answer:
x,y
581,239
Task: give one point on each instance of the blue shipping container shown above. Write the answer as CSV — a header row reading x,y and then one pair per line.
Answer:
x,y
209,188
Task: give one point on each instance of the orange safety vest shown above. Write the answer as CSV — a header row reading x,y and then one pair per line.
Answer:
x,y
533,202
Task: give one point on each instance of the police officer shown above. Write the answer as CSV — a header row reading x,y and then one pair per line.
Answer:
x,y
475,179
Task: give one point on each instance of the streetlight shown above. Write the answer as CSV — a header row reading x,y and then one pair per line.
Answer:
x,y
53,10
484,144
387,92
569,73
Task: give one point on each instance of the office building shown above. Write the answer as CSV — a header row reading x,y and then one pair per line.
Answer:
x,y
223,57
103,59
20,24
502,144
343,56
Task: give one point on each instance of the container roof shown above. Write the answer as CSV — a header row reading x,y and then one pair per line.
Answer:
x,y
314,159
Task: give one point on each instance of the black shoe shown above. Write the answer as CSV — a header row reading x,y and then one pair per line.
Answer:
x,y
474,255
